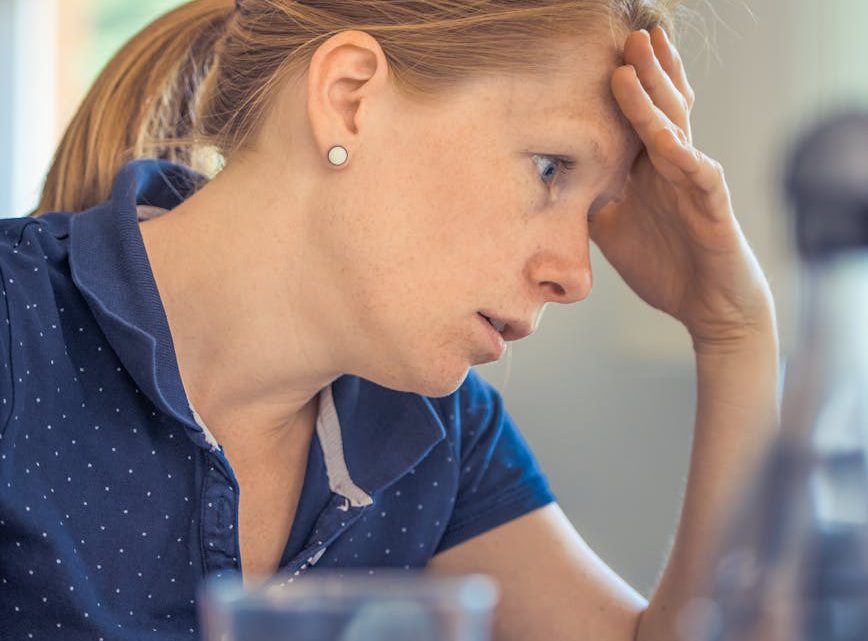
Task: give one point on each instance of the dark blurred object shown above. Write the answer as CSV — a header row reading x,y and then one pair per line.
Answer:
x,y
827,186
794,565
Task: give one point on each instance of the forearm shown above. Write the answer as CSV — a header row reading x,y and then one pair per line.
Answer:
x,y
736,419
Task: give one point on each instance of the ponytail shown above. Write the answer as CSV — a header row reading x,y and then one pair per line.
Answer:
x,y
143,104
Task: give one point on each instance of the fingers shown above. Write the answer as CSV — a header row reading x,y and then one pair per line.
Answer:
x,y
641,52
700,173
672,154
672,64
646,117
706,174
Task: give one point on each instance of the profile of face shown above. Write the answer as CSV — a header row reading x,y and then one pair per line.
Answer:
x,y
449,210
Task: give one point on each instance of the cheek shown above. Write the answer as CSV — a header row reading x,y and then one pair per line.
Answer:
x,y
472,209
440,238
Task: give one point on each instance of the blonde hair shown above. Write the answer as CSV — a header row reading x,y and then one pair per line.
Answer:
x,y
193,86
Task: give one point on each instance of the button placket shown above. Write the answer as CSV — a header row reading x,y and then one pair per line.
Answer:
x,y
219,516
334,521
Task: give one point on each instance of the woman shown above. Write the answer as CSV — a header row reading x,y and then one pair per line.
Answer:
x,y
269,370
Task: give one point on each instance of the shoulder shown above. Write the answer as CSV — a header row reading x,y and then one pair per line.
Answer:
x,y
32,238
29,245
33,254
498,476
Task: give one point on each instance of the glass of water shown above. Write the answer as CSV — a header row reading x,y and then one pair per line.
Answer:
x,y
392,605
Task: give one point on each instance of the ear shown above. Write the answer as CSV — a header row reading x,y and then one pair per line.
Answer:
x,y
346,72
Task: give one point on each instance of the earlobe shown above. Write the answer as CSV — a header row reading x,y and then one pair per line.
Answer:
x,y
345,73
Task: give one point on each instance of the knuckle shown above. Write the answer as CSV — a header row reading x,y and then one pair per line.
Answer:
x,y
652,85
646,122
690,97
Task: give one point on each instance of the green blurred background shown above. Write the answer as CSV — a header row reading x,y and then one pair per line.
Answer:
x,y
113,22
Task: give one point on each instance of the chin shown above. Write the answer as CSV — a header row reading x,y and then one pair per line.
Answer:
x,y
431,364
434,379
438,377
444,387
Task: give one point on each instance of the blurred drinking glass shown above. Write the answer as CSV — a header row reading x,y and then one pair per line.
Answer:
x,y
392,605
795,563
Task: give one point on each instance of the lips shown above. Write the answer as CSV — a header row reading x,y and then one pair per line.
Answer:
x,y
510,329
498,325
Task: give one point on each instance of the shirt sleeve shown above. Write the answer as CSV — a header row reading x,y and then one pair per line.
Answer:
x,y
499,477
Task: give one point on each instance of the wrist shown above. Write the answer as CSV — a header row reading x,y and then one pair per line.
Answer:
x,y
758,335
743,374
756,340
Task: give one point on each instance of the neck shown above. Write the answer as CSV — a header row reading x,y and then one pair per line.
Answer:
x,y
252,349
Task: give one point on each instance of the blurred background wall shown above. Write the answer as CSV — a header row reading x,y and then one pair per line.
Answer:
x,y
604,391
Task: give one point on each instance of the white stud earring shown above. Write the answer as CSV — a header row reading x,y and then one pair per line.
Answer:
x,y
338,155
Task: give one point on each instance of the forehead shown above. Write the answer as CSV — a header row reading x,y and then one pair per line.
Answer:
x,y
574,102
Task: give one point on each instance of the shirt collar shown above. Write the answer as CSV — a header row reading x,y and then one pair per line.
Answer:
x,y
371,435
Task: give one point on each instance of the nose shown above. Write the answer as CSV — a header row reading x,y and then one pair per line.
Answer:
x,y
562,270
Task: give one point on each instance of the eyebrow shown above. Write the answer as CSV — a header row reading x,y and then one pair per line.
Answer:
x,y
596,150
591,130
597,156
590,140
592,136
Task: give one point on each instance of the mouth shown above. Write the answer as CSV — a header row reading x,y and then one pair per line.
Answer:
x,y
509,329
496,338
496,324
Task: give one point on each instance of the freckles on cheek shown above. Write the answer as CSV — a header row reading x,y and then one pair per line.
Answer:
x,y
471,206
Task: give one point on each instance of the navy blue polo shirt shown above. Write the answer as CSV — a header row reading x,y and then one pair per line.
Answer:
x,y
116,501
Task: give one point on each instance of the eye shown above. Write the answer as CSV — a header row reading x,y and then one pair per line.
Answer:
x,y
552,166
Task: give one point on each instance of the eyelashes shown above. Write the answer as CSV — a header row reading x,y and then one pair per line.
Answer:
x,y
552,167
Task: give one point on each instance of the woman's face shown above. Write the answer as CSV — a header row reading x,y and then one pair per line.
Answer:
x,y
462,208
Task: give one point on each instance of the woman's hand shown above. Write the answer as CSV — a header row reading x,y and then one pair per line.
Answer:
x,y
673,237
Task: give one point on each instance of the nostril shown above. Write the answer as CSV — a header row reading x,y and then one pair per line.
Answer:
x,y
558,288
